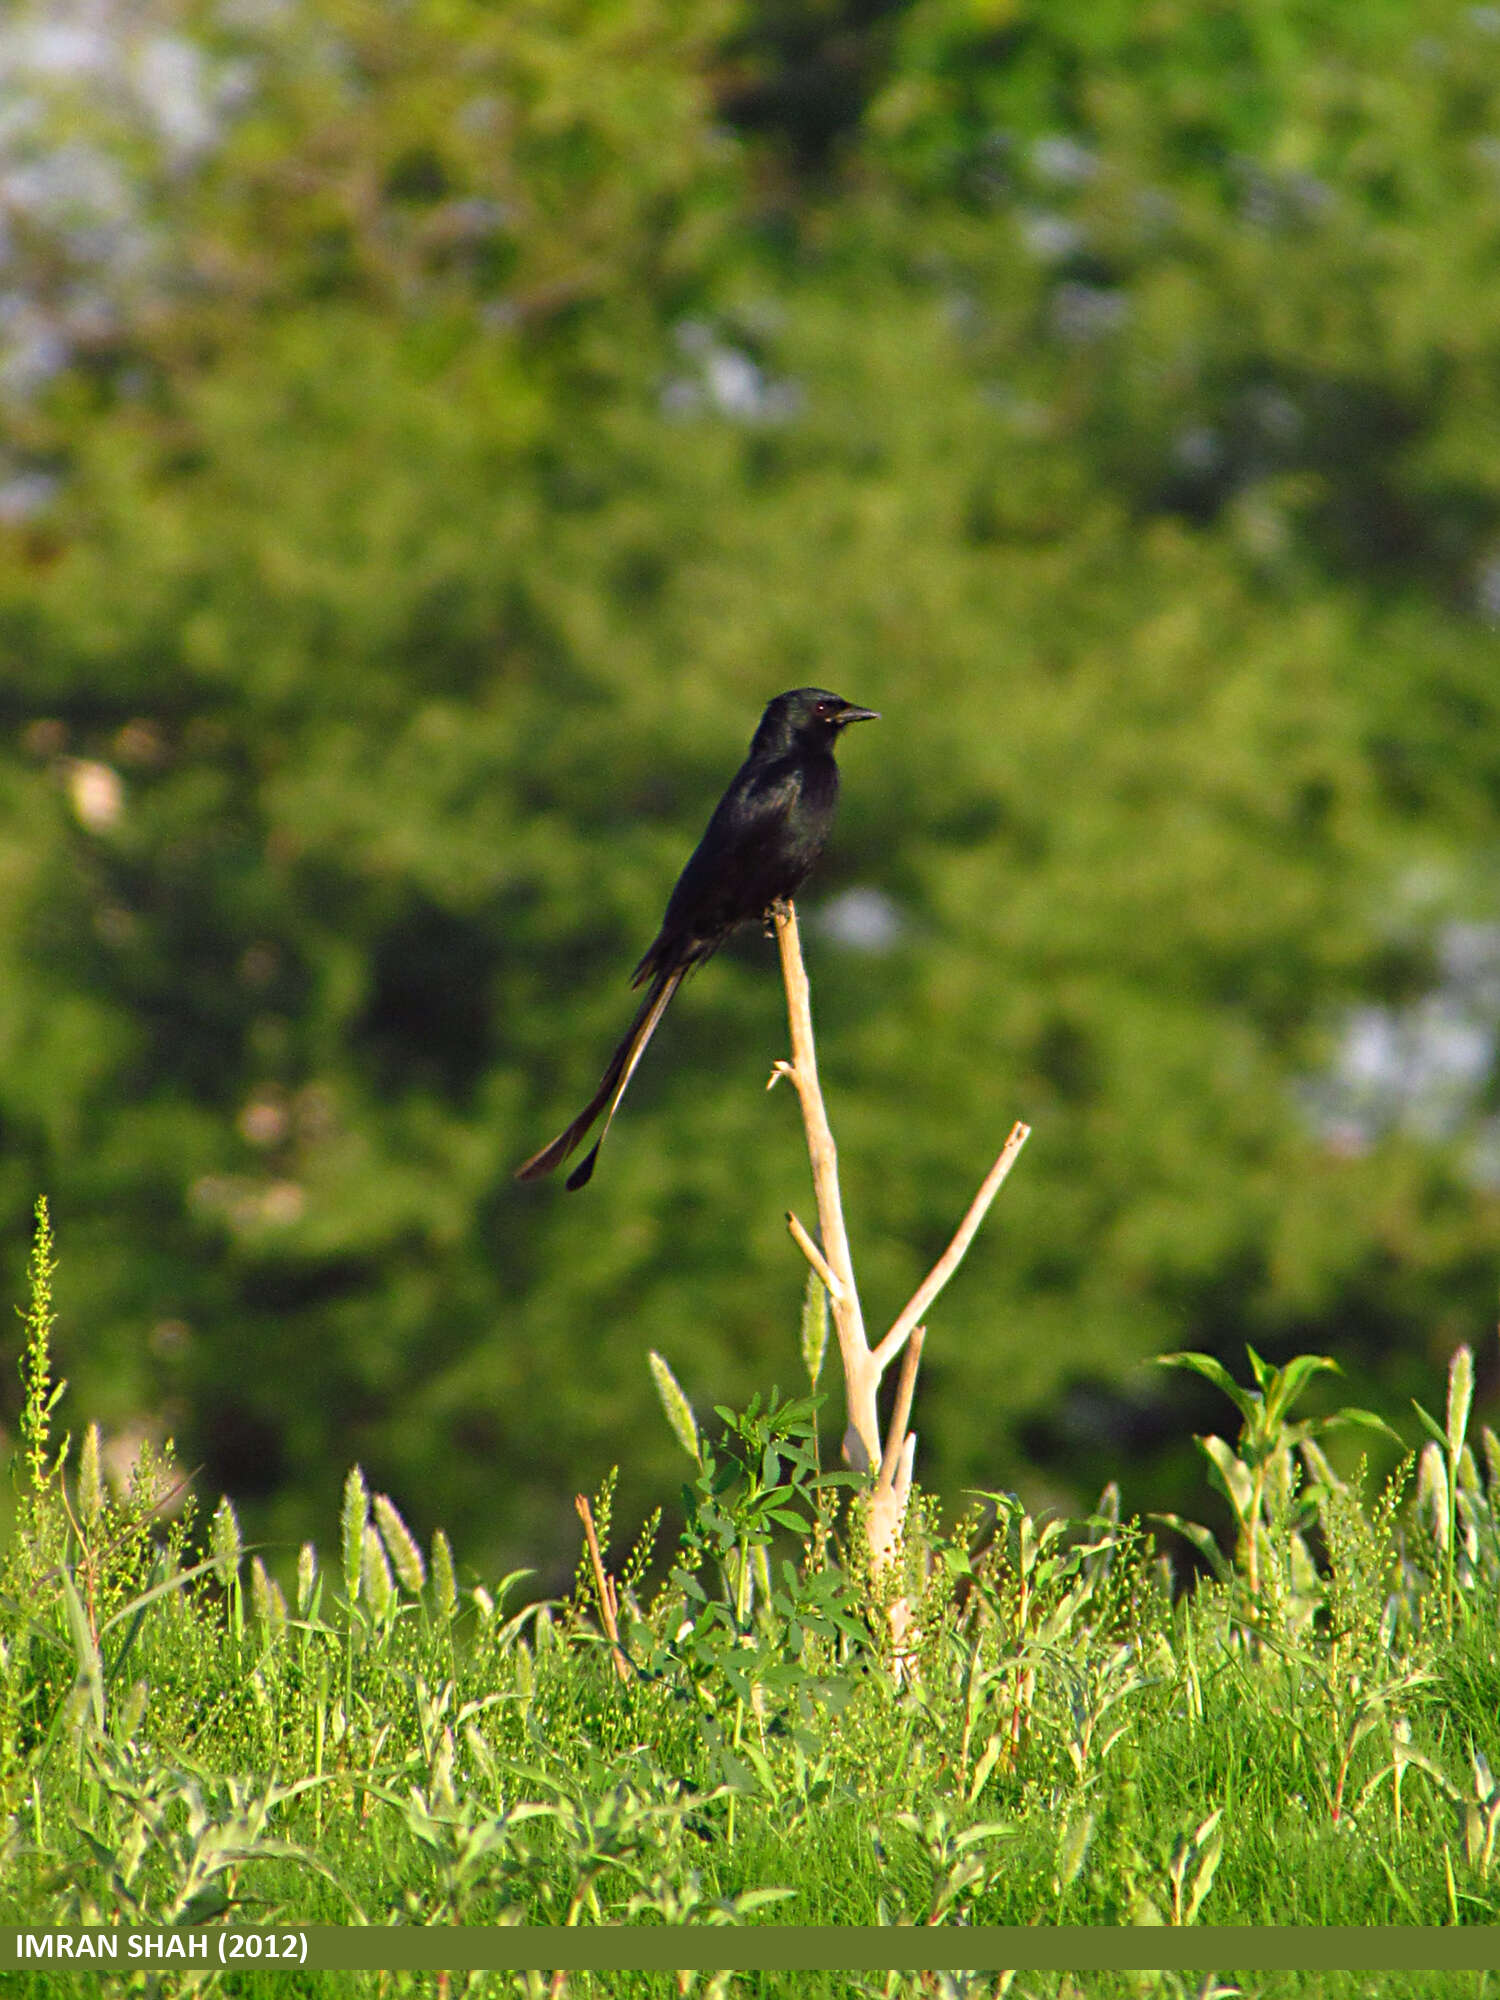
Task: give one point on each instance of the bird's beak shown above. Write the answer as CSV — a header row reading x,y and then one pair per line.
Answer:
x,y
849,713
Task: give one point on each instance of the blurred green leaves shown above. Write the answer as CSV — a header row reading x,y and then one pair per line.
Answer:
x,y
1110,401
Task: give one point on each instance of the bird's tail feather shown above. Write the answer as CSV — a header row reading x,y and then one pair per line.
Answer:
x,y
606,1099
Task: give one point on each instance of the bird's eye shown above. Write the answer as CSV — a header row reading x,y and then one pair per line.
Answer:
x,y
827,708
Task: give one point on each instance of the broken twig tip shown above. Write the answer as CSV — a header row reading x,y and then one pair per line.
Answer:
x,y
832,1284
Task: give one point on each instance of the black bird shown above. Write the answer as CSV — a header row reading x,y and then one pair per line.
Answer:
x,y
765,835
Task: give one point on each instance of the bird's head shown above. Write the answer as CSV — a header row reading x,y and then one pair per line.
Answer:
x,y
809,717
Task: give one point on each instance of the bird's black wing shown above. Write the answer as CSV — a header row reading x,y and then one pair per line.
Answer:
x,y
765,834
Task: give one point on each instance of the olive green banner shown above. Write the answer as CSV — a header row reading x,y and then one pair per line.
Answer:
x,y
763,1948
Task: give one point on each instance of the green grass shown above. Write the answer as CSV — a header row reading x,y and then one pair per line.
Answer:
x,y
1305,1737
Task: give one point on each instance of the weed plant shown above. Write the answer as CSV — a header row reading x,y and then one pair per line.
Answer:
x,y
1307,1734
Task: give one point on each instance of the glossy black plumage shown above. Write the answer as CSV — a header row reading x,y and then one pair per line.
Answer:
x,y
764,837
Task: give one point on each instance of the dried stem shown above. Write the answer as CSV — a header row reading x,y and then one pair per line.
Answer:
x,y
952,1257
893,1486
864,1366
813,1254
604,1584
906,1383
861,1377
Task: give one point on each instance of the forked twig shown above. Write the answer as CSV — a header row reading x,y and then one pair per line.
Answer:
x,y
863,1366
953,1256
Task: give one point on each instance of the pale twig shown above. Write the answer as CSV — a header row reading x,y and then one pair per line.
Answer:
x,y
862,1366
813,1255
892,1489
895,1437
861,1376
952,1257
604,1584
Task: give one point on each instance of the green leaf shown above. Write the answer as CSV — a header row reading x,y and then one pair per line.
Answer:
x,y
1209,1842
1431,1425
1363,1420
137,1605
758,1899
987,1762
1214,1371
1233,1475
1289,1382
90,1668
1201,1540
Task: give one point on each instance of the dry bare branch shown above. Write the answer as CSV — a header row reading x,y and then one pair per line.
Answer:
x,y
952,1257
813,1255
895,1437
863,1366
604,1584
861,1377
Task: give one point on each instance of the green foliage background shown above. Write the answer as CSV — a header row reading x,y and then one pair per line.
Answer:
x,y
517,398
